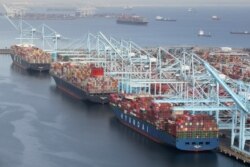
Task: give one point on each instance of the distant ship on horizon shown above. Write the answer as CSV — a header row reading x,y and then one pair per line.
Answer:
x,y
128,7
240,32
215,17
201,33
160,18
131,19
190,9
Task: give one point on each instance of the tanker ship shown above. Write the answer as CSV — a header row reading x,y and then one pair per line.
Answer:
x,y
31,58
83,81
158,122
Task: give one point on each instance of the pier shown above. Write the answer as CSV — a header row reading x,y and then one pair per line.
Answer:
x,y
5,51
227,150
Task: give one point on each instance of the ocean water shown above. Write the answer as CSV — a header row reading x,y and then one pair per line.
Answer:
x,y
182,32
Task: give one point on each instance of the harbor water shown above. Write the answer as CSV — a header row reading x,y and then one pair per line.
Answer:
x,y
157,33
41,126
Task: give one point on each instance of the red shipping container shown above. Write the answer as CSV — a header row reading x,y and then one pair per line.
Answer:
x,y
97,71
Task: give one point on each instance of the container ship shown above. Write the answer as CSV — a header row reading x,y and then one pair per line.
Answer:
x,y
134,20
159,123
31,58
83,81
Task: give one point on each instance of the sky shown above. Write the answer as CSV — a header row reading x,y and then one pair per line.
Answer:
x,y
129,2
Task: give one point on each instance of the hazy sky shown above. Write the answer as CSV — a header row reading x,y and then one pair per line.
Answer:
x,y
131,2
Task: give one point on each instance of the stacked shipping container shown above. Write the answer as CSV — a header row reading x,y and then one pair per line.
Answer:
x,y
234,66
85,76
193,126
31,54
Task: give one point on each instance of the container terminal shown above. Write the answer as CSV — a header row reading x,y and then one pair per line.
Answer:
x,y
194,86
190,88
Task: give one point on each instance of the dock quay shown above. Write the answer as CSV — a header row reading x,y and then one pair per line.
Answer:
x,y
5,51
227,150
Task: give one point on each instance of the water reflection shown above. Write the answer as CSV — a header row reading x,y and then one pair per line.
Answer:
x,y
173,156
15,68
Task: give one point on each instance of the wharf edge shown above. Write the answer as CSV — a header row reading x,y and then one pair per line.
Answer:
x,y
228,151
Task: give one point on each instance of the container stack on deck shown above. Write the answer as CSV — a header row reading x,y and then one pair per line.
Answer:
x,y
85,76
193,126
31,54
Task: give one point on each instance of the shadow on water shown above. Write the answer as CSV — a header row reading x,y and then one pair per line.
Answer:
x,y
63,96
89,107
207,158
19,70
173,156
129,133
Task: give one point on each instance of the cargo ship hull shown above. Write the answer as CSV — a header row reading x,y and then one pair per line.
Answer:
x,y
159,136
40,67
79,93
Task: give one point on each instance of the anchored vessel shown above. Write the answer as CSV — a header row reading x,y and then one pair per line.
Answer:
x,y
215,17
157,122
83,81
128,7
128,19
201,33
240,32
160,18
31,58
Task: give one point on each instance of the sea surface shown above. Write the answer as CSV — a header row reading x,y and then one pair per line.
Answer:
x,y
157,33
42,127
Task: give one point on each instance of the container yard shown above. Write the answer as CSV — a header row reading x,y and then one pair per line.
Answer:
x,y
84,81
235,65
30,57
